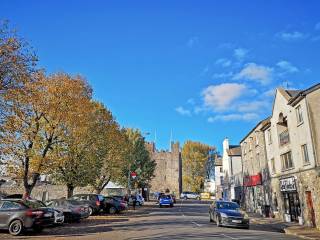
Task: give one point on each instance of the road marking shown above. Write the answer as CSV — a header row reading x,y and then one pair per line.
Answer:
x,y
196,224
228,236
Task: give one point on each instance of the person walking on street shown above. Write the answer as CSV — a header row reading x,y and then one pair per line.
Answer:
x,y
134,201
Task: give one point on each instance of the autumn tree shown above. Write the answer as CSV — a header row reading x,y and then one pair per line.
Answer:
x,y
138,159
195,158
36,123
17,63
109,149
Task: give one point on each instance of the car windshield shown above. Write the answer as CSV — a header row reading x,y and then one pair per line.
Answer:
x,y
166,197
34,204
227,205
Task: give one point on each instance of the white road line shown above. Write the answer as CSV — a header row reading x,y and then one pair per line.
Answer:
x,y
196,224
228,236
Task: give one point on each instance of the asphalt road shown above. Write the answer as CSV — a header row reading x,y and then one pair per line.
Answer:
x,y
187,220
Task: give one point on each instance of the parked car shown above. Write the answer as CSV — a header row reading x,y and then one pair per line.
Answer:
x,y
166,200
96,202
71,209
122,200
20,215
226,213
58,215
190,195
139,200
113,205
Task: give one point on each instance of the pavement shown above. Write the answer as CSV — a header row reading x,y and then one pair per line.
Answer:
x,y
289,228
186,220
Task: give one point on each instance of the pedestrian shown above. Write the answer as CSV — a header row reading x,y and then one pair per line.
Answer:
x,y
134,201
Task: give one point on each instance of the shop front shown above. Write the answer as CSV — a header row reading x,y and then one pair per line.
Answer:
x,y
292,207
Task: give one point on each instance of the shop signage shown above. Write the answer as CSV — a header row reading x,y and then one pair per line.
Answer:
x,y
253,180
288,185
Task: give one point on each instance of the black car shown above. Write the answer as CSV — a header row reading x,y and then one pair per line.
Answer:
x,y
114,205
73,210
226,213
96,202
20,215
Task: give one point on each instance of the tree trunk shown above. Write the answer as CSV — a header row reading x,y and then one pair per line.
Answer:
x,y
98,189
70,190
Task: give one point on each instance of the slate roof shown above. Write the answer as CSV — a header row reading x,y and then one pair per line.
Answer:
x,y
234,150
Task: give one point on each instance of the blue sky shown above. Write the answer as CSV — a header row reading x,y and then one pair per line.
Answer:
x,y
204,70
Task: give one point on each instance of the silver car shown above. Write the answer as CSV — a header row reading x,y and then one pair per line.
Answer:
x,y
189,195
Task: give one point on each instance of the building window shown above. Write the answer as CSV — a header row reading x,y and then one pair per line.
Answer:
x,y
305,155
299,115
269,136
273,166
257,138
221,170
258,161
284,137
286,161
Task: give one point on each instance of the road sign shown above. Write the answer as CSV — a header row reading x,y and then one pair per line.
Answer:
x,y
133,175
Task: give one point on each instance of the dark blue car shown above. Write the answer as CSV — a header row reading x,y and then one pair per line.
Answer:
x,y
225,213
166,200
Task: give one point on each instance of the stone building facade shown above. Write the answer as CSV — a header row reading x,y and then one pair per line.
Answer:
x,y
256,176
292,144
232,172
168,173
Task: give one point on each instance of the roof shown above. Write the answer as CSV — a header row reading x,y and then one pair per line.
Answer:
x,y
234,150
218,161
295,99
263,123
293,93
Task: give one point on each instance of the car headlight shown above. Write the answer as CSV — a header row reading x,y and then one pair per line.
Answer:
x,y
223,215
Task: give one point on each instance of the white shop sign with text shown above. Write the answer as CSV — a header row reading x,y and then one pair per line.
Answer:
x,y
288,184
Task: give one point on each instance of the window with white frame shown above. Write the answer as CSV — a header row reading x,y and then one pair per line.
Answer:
x,y
286,161
299,115
305,155
257,138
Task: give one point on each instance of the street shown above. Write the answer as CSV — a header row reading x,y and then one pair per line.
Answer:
x,y
186,220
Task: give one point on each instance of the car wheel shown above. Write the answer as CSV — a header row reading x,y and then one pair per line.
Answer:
x,y
198,198
210,217
218,222
90,211
112,210
185,198
16,227
160,205
171,205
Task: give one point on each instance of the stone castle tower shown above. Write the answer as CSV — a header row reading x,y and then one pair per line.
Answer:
x,y
168,173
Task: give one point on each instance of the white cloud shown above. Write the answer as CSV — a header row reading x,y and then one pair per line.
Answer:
x,y
240,53
222,75
254,72
317,26
182,111
234,117
220,97
287,67
292,36
193,41
223,62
